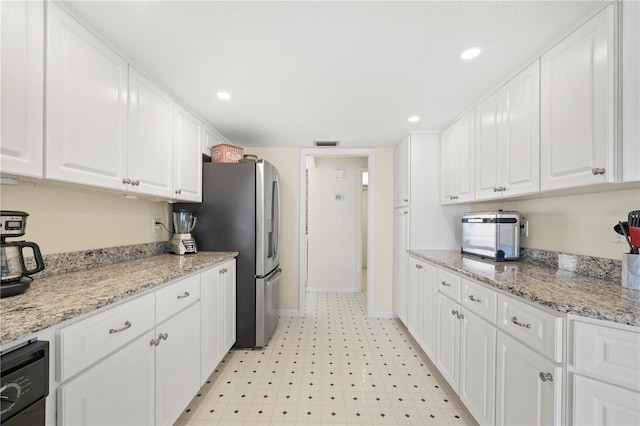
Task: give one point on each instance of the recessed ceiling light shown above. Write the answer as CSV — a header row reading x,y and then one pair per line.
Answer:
x,y
470,53
223,95
414,119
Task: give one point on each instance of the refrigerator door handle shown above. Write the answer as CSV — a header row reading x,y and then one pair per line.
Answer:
x,y
276,195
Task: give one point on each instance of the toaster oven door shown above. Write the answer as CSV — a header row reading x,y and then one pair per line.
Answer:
x,y
479,239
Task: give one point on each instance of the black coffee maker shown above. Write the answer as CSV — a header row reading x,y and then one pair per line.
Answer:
x,y
16,277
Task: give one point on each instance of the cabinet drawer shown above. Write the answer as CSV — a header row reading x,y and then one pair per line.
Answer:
x,y
540,330
480,300
608,353
85,342
175,297
449,284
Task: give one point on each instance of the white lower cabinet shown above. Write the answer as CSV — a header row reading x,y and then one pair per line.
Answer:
x,y
528,386
117,391
600,403
177,364
148,370
448,339
477,367
422,303
400,258
218,316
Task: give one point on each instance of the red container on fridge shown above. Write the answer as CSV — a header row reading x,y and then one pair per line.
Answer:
x,y
224,153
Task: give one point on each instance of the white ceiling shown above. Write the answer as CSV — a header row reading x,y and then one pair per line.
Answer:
x,y
345,70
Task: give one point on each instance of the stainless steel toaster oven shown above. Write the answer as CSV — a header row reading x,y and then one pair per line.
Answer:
x,y
491,235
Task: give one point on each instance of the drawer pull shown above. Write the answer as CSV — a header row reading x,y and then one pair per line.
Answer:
x,y
546,377
186,294
460,316
474,299
444,283
518,323
127,325
454,312
418,266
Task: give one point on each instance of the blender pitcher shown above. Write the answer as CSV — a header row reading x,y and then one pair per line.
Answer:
x,y
183,222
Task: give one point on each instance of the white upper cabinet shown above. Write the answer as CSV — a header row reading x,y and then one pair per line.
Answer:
x,y
150,136
211,139
508,138
401,170
457,174
86,106
578,145
22,44
187,169
630,90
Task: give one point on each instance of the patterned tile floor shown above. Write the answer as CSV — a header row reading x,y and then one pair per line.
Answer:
x,y
334,366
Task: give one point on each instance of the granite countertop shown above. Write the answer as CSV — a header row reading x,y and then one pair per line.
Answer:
x,y
52,300
559,290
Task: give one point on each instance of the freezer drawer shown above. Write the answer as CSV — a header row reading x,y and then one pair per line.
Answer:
x,y
267,290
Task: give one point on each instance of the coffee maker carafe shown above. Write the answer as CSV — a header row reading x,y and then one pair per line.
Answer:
x,y
182,241
16,276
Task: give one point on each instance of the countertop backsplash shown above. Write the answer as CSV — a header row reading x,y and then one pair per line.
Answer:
x,y
62,263
598,267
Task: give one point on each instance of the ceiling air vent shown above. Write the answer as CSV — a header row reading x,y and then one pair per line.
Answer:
x,y
326,143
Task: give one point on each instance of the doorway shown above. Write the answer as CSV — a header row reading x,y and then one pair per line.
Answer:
x,y
336,222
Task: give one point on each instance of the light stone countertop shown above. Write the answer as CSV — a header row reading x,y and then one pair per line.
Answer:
x,y
52,300
559,290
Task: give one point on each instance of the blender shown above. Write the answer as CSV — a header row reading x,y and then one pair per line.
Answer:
x,y
182,242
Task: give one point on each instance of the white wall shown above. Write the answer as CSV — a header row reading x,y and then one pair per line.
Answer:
x,y
334,225
579,224
64,220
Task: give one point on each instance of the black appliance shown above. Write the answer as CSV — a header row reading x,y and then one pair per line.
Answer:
x,y
24,384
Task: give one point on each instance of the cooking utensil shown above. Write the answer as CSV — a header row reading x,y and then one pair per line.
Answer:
x,y
623,229
634,229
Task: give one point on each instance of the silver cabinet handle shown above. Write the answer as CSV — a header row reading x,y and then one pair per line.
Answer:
x,y
154,342
495,189
135,182
444,283
405,212
460,316
504,188
518,323
163,336
598,171
454,312
186,294
126,181
418,266
406,200
178,191
474,299
127,325
223,271
546,377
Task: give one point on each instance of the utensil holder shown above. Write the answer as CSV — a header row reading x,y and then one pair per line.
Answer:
x,y
631,271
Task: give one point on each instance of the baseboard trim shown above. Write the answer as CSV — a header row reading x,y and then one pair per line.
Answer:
x,y
332,290
289,313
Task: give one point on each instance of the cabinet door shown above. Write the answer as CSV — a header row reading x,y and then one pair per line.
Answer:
x,y
117,391
448,340
630,90
488,115
415,292
477,367
177,361
578,105
428,329
401,172
465,169
519,152
150,137
187,168
522,396
211,138
400,258
211,304
86,111
448,176
229,308
22,80
598,403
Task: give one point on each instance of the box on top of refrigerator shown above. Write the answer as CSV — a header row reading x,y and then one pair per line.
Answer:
x,y
224,153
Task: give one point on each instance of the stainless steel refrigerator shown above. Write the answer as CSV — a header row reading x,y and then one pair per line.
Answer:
x,y
240,211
